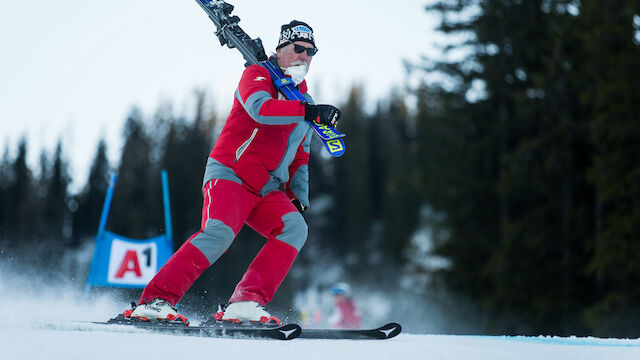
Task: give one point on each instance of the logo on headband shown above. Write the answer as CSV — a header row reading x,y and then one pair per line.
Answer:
x,y
302,28
299,32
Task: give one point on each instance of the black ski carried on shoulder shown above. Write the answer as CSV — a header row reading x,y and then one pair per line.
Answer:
x,y
229,33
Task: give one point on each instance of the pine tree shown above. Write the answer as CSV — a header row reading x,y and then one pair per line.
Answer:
x,y
610,34
20,205
506,164
86,218
351,196
137,209
55,200
5,181
394,169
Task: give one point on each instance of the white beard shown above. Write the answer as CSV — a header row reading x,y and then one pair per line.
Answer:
x,y
297,70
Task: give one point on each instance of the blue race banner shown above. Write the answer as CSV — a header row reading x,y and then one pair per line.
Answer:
x,y
122,262
119,261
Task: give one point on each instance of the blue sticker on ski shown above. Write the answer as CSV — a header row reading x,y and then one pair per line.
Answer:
x,y
331,137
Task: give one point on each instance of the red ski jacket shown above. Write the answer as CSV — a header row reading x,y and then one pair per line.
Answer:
x,y
346,315
265,141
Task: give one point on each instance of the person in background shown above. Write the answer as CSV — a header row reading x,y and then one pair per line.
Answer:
x,y
346,314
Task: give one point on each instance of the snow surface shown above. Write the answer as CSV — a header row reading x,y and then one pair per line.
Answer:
x,y
42,320
73,341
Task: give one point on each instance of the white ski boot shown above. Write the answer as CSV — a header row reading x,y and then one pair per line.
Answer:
x,y
156,310
251,312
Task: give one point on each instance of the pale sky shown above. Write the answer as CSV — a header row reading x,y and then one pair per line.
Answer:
x,y
72,69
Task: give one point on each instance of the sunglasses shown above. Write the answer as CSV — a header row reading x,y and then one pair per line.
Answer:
x,y
299,49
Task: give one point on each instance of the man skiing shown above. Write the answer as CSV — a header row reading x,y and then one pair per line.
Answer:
x,y
256,174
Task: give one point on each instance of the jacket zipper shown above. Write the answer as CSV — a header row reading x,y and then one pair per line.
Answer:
x,y
241,149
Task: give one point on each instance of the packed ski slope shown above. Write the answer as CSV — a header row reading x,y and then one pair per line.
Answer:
x,y
41,321
73,341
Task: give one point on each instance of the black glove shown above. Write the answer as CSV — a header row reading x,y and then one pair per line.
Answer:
x,y
323,114
298,205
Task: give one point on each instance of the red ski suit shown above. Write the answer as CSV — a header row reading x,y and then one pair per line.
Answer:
x,y
263,147
346,315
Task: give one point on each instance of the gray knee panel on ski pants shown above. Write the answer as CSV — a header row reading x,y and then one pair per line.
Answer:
x,y
295,230
214,240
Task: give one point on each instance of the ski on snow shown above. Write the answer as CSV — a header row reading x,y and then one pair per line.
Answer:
x,y
229,33
284,332
384,332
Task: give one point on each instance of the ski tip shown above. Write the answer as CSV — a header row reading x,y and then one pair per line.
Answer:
x,y
389,330
289,331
